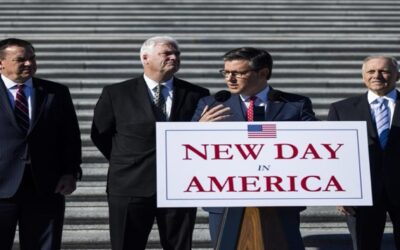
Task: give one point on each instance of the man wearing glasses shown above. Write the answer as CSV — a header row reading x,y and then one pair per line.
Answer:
x,y
246,73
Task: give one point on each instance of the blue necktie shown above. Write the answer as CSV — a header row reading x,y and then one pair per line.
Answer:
x,y
382,120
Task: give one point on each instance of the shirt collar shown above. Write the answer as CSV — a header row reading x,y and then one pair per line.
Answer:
x,y
391,96
151,84
11,84
262,95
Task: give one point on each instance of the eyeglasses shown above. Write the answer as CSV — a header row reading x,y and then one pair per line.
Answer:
x,y
235,74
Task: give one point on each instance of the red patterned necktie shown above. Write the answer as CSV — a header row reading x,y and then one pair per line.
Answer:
x,y
21,109
250,109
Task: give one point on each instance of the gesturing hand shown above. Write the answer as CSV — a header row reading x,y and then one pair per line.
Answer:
x,y
217,113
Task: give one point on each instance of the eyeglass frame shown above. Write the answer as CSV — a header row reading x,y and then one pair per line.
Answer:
x,y
237,74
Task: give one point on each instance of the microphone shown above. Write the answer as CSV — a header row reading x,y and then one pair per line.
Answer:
x,y
222,96
277,95
259,113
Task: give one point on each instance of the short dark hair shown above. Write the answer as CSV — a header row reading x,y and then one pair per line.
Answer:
x,y
258,58
9,42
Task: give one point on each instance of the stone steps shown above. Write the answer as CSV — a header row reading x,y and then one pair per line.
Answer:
x,y
317,46
87,228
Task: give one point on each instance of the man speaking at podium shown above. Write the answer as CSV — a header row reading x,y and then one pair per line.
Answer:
x,y
246,73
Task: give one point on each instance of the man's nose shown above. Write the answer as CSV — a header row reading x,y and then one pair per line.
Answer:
x,y
231,78
28,62
173,56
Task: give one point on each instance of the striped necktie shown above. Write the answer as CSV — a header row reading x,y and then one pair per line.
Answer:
x,y
159,102
21,109
382,120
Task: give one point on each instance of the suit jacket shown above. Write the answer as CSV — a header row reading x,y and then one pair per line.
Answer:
x,y
297,108
124,131
384,163
52,145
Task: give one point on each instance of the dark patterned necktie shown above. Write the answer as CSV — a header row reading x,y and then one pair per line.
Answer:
x,y
250,109
159,102
21,109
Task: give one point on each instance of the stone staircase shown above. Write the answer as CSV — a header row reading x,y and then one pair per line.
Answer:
x,y
317,45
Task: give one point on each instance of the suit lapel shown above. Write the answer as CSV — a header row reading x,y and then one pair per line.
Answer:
x,y
5,104
396,114
362,109
179,94
39,97
236,105
395,121
273,109
141,92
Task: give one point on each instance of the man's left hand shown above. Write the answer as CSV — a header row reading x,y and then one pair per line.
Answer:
x,y
66,185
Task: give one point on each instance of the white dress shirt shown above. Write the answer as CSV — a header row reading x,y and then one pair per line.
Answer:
x,y
261,100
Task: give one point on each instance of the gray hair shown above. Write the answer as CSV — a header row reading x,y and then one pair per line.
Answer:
x,y
393,60
150,44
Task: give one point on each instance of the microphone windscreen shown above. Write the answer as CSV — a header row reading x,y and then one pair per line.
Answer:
x,y
222,96
274,95
259,113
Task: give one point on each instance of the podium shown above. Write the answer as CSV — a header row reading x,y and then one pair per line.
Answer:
x,y
249,165
255,228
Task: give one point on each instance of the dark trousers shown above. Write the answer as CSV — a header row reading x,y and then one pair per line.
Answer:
x,y
287,219
368,225
214,223
39,218
131,220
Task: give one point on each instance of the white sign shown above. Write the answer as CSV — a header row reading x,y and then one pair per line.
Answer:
x,y
232,164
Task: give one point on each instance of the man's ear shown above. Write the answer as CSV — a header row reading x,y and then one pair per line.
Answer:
x,y
264,73
144,58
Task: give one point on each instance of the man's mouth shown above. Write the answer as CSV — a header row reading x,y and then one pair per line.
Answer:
x,y
232,86
171,63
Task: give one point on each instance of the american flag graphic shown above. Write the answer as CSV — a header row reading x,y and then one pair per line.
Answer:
x,y
261,131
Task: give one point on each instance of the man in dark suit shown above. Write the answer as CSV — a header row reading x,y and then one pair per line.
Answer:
x,y
124,131
367,223
40,151
246,72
